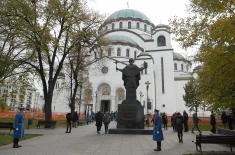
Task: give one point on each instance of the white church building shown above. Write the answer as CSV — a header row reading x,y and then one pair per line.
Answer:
x,y
131,34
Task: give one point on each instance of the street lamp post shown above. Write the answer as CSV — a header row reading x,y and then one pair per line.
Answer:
x,y
80,97
141,95
147,83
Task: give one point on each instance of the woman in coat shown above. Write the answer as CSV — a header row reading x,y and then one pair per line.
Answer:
x,y
106,121
179,126
157,130
99,120
18,128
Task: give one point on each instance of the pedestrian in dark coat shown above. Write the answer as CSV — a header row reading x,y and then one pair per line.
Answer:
x,y
185,119
106,121
98,120
18,128
75,119
213,122
224,118
179,126
230,120
164,120
69,122
157,130
173,121
195,123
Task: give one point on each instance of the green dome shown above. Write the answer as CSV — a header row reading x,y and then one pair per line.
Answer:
x,y
177,56
121,39
127,13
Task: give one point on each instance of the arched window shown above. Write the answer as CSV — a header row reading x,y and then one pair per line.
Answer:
x,y
135,55
113,26
101,54
175,66
129,25
109,51
118,52
127,52
161,41
138,25
95,55
182,67
120,25
145,27
146,69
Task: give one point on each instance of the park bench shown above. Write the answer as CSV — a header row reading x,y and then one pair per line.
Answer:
x,y
214,139
7,125
47,124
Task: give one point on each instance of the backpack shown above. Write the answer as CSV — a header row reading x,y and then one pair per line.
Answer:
x,y
106,118
178,121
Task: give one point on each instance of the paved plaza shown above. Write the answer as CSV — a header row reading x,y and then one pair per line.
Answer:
x,y
84,141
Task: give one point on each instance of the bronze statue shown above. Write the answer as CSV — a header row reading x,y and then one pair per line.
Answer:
x,y
131,77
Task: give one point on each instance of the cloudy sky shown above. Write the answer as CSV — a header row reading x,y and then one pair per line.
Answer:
x,y
158,11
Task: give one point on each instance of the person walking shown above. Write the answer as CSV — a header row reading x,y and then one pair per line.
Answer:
x,y
157,130
195,123
68,122
18,128
213,122
230,119
106,121
173,121
224,118
98,120
179,126
164,120
185,121
75,119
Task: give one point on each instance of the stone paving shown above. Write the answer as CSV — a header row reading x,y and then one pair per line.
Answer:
x,y
84,141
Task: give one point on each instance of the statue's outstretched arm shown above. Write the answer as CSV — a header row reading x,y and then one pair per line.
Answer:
x,y
144,66
118,69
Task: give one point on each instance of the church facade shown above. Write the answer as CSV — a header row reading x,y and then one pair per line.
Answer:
x,y
131,34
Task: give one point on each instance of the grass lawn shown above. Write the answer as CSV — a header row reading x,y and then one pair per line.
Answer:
x,y
59,123
7,139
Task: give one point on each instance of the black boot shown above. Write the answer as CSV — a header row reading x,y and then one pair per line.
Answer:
x,y
158,146
15,143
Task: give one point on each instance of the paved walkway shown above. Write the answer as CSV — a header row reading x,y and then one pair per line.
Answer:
x,y
84,141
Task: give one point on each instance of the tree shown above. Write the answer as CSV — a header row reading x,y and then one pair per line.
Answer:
x,y
11,49
50,30
87,43
211,27
191,97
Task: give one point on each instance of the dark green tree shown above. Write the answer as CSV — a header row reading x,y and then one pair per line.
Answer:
x,y
191,97
210,27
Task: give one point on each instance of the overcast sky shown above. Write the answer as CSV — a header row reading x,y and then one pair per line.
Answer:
x,y
158,11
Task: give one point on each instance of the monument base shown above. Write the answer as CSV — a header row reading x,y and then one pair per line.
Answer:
x,y
130,115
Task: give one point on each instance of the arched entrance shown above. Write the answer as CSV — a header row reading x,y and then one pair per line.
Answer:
x,y
104,93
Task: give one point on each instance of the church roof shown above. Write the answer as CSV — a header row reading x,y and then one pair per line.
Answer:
x,y
127,13
177,56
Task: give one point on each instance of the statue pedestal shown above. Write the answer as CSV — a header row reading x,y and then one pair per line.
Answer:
x,y
130,115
